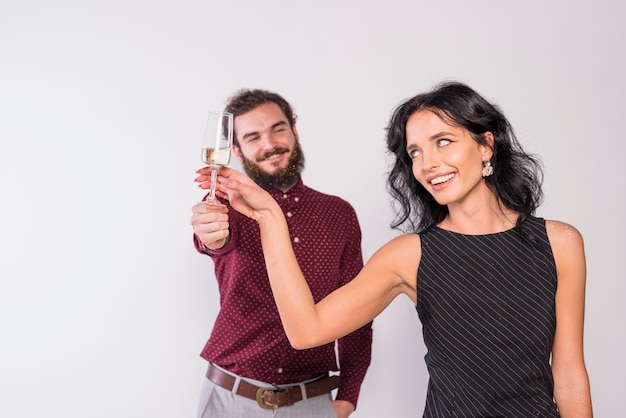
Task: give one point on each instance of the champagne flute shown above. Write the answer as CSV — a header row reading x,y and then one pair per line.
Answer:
x,y
218,140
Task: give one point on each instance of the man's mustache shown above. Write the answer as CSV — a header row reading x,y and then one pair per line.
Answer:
x,y
271,153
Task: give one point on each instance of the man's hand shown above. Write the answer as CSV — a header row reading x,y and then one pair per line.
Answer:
x,y
343,409
210,224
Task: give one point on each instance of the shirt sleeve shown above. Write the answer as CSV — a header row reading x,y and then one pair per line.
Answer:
x,y
230,245
199,245
355,349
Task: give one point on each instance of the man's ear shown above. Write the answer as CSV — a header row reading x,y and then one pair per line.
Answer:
x,y
237,152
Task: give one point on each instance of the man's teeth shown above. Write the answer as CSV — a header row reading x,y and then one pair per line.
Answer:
x,y
441,179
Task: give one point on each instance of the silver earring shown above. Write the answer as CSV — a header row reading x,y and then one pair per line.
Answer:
x,y
487,169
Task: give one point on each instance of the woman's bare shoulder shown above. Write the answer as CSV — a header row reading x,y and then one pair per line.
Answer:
x,y
400,258
562,234
404,243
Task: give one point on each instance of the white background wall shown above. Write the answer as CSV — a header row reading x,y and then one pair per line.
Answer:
x,y
105,305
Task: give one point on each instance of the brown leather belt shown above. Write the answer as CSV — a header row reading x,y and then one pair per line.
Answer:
x,y
272,397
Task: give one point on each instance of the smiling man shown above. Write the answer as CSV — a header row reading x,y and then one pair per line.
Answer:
x,y
253,371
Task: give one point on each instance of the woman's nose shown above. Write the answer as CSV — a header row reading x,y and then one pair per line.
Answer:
x,y
430,161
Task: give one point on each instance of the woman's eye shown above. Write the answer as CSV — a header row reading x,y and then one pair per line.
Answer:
x,y
443,142
414,153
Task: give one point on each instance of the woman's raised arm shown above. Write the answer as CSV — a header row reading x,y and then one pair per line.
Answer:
x,y
391,270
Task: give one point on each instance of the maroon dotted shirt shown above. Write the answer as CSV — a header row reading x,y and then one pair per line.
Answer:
x,y
248,338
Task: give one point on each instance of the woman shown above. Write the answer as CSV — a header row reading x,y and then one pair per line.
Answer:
x,y
500,293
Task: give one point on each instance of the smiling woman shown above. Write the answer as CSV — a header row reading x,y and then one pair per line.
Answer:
x,y
449,162
500,292
455,134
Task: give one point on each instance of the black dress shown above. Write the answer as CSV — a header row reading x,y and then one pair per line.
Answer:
x,y
487,306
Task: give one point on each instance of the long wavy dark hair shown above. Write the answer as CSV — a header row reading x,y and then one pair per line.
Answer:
x,y
517,175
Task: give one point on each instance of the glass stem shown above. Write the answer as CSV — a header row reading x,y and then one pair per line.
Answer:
x,y
213,185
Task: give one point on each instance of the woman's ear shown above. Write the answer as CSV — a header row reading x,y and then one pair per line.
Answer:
x,y
487,149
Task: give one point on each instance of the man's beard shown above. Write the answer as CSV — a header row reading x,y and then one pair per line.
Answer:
x,y
283,178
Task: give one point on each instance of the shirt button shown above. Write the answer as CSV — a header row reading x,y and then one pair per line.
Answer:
x,y
296,239
296,198
285,196
280,370
289,214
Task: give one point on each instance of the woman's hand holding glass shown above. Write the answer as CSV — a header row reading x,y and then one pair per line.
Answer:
x,y
244,195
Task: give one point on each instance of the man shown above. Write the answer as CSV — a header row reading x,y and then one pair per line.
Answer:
x,y
253,371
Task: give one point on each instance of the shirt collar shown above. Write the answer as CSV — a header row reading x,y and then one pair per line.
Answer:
x,y
295,192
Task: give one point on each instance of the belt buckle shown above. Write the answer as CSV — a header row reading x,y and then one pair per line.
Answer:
x,y
261,401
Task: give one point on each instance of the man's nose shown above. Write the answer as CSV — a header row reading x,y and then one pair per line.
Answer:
x,y
268,141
